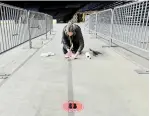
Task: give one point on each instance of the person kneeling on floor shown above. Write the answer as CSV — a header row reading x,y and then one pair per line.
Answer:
x,y
72,40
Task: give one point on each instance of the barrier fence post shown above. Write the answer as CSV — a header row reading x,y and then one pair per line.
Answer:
x,y
111,29
51,27
30,41
89,23
96,25
46,25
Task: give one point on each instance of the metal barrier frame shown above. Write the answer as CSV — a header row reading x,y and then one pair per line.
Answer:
x,y
112,40
17,20
86,24
138,12
111,25
132,48
12,41
93,24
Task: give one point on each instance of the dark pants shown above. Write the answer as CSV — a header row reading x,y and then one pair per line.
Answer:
x,y
74,50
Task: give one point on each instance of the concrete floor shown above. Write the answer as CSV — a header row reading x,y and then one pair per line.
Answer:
x,y
106,85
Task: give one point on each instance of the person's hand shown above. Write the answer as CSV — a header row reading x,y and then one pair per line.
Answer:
x,y
68,50
69,53
74,56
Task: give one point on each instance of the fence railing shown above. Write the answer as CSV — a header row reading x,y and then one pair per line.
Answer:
x,y
104,24
86,24
18,26
92,23
126,26
131,24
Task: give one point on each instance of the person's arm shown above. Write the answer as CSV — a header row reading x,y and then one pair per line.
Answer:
x,y
64,41
81,40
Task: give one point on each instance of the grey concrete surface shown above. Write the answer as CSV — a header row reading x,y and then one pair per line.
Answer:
x,y
106,85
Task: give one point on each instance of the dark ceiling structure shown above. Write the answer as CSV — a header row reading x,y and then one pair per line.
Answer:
x,y
64,10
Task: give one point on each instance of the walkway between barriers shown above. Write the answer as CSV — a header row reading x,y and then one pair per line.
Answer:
x,y
106,85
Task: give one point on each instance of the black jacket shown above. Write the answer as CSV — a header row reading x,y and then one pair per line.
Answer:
x,y
77,39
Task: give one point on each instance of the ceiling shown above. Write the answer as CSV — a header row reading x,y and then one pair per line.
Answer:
x,y
60,10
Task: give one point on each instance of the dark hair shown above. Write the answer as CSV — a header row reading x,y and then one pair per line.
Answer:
x,y
70,28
